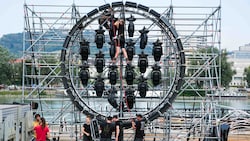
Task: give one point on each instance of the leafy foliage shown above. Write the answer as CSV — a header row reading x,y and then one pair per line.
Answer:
x,y
6,69
247,75
226,71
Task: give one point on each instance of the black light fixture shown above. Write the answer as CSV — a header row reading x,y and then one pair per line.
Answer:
x,y
84,50
111,97
99,37
144,38
156,74
142,86
129,74
99,86
112,75
84,74
157,50
112,49
130,49
130,98
99,62
143,62
131,26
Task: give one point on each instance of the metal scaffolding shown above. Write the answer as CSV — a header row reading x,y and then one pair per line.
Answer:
x,y
190,118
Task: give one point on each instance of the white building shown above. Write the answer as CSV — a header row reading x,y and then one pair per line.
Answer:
x,y
241,60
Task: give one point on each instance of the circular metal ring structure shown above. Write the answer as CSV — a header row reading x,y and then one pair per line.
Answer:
x,y
159,98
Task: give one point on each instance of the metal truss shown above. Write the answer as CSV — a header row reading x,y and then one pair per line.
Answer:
x,y
45,29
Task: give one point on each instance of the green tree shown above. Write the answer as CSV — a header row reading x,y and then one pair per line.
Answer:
x,y
43,66
17,73
226,71
6,69
247,75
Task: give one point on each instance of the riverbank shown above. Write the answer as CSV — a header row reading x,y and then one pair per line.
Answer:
x,y
19,92
11,92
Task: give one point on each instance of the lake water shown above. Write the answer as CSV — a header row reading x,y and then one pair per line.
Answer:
x,y
236,103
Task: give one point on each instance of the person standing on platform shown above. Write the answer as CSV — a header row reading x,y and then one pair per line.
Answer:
x,y
138,126
86,130
118,128
106,129
42,131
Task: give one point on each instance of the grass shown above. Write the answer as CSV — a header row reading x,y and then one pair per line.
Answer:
x,y
8,92
17,92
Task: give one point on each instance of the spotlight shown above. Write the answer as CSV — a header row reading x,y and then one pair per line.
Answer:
x,y
111,97
156,74
99,62
143,62
131,26
112,75
84,74
99,86
142,86
112,49
130,49
99,37
130,98
157,50
84,50
144,38
129,74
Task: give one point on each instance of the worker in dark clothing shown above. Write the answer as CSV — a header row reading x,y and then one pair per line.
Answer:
x,y
138,126
119,38
106,129
225,127
116,31
118,128
86,130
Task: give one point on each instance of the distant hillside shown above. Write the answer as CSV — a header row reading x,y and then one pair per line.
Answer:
x,y
13,42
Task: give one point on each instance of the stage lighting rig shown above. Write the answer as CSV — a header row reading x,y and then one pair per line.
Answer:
x,y
157,50
99,37
130,48
142,86
131,26
99,86
112,49
129,74
84,50
130,98
113,74
143,62
156,74
111,97
99,62
144,38
84,74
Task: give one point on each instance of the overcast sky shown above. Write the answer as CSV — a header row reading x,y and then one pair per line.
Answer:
x,y
235,15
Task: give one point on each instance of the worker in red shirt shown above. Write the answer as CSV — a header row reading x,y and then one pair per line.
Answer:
x,y
42,131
